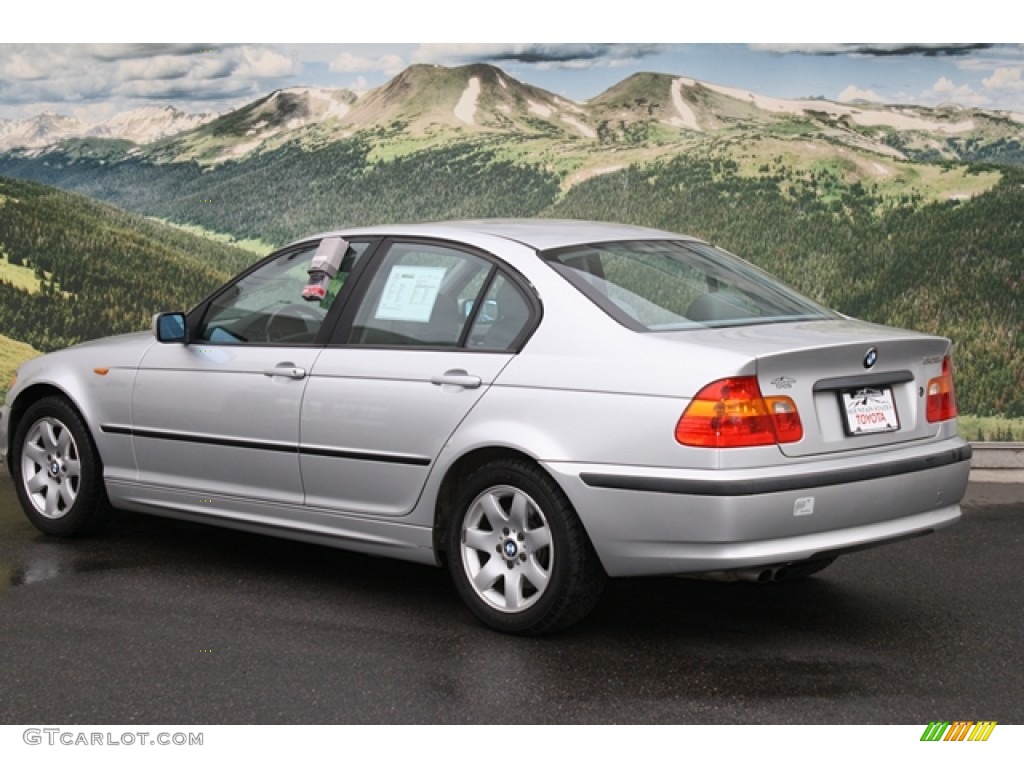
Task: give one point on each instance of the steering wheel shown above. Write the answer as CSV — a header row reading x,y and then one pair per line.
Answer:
x,y
303,312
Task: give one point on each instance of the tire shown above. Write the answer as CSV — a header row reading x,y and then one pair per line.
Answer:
x,y
517,552
57,471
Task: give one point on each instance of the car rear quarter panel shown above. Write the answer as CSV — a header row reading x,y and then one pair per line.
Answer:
x,y
588,395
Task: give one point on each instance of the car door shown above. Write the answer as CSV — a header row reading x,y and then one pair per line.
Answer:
x,y
413,354
220,414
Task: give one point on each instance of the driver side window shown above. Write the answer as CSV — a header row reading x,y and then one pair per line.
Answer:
x,y
267,306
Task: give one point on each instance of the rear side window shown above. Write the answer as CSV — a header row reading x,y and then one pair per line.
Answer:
x,y
669,285
429,295
501,319
414,297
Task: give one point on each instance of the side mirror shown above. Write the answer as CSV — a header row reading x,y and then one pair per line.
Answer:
x,y
170,328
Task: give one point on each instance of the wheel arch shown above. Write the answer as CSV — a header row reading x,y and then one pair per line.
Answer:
x,y
556,575
457,472
31,395
72,472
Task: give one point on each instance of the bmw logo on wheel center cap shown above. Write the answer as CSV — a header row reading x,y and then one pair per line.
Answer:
x,y
510,549
871,358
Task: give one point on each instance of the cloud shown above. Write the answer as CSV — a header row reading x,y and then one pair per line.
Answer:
x,y
348,62
79,75
1005,56
568,54
171,68
945,90
873,49
18,66
853,93
359,85
170,90
122,51
264,63
1005,78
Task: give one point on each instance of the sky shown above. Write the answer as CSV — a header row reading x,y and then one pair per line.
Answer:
x,y
93,80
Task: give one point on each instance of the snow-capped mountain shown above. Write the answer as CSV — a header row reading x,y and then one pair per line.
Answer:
x,y
647,114
259,123
473,98
39,131
146,124
140,126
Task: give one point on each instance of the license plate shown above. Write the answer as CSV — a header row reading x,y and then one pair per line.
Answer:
x,y
870,410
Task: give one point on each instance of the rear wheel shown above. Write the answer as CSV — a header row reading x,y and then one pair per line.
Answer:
x,y
518,553
58,475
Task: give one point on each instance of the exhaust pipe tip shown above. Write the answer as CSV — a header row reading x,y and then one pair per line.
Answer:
x,y
765,573
753,575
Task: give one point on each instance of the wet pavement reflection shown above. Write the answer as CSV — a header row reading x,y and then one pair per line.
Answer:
x,y
161,621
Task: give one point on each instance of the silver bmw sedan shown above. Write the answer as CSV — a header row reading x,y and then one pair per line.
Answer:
x,y
536,405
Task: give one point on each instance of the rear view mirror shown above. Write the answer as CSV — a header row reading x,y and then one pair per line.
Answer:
x,y
170,328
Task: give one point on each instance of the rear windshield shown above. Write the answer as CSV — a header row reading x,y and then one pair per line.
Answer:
x,y
669,285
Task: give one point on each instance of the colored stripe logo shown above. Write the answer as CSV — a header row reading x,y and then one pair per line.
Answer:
x,y
958,730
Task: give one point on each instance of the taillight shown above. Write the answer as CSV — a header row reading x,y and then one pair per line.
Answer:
x,y
732,413
941,402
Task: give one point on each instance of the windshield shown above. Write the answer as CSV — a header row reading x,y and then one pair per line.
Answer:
x,y
664,285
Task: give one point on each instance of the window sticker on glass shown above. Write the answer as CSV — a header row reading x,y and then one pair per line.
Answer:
x,y
410,293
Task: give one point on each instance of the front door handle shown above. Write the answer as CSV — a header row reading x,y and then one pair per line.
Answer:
x,y
457,378
287,370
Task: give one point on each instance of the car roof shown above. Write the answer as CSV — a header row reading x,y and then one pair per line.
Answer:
x,y
540,234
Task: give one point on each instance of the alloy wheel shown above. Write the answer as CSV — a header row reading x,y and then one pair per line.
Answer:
x,y
50,468
507,549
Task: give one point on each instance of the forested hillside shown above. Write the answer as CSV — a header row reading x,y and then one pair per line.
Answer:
x,y
74,269
291,192
12,354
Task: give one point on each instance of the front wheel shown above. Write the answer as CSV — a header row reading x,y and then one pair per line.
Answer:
x,y
57,471
518,553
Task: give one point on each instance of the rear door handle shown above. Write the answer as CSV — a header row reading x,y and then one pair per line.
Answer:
x,y
287,370
457,378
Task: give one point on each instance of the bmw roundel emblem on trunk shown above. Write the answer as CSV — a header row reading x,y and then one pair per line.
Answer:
x,y
871,358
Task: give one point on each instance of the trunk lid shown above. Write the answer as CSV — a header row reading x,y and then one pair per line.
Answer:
x,y
855,385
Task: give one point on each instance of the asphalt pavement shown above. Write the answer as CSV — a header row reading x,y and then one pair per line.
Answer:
x,y
159,621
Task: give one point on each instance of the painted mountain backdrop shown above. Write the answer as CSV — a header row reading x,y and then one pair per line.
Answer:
x,y
907,215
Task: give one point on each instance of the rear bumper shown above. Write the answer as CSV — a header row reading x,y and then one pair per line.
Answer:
x,y
657,521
